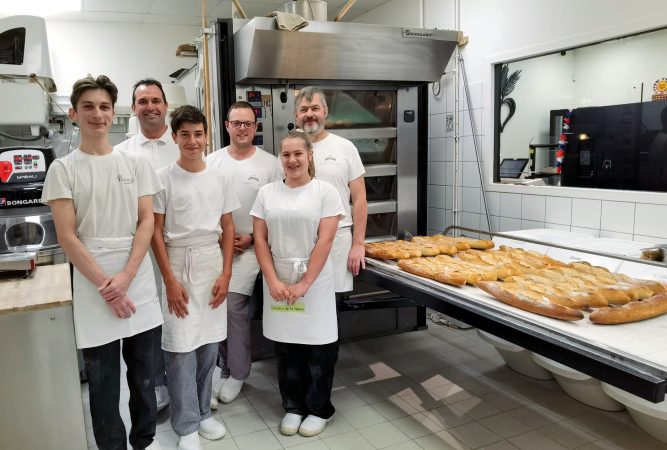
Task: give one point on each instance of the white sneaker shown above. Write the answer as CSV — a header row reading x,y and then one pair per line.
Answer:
x,y
154,446
230,390
215,391
313,425
161,397
289,426
211,429
189,442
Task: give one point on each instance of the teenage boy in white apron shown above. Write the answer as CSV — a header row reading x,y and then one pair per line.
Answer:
x,y
102,208
190,213
251,168
295,222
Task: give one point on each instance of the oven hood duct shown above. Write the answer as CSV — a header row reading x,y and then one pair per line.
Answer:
x,y
341,53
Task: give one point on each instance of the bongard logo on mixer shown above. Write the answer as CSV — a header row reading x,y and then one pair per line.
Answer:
x,y
4,202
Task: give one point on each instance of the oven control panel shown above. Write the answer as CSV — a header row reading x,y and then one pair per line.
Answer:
x,y
22,165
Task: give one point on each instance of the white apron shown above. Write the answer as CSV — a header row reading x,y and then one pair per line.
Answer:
x,y
312,319
340,251
94,322
196,267
244,272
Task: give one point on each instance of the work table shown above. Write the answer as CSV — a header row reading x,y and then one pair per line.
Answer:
x,y
47,287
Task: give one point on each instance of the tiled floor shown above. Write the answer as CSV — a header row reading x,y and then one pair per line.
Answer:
x,y
437,389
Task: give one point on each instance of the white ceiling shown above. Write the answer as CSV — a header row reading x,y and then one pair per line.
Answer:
x,y
188,12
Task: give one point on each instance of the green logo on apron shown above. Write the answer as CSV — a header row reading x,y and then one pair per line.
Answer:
x,y
298,307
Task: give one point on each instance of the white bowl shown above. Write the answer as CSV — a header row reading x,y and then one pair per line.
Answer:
x,y
650,417
579,386
517,358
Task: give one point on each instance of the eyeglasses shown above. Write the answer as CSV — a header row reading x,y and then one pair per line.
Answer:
x,y
238,123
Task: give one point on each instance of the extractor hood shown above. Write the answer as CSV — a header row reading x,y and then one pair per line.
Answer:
x,y
345,53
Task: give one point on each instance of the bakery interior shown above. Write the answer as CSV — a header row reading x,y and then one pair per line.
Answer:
x,y
516,250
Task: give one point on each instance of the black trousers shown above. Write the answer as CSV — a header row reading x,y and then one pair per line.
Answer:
x,y
103,369
305,377
159,370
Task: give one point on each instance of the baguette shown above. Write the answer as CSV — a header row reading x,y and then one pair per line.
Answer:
x,y
426,269
542,307
631,312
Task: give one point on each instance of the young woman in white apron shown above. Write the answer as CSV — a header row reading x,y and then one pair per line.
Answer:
x,y
295,222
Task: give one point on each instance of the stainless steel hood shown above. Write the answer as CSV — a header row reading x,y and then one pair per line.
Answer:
x,y
345,53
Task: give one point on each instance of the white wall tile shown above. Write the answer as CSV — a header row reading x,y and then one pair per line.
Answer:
x,y
531,224
586,213
583,230
468,149
618,216
510,205
508,224
465,128
651,220
449,197
436,196
475,90
435,219
447,84
556,226
615,235
493,203
449,218
437,149
436,127
470,220
470,174
437,173
449,149
484,224
533,207
648,239
437,104
470,200
558,210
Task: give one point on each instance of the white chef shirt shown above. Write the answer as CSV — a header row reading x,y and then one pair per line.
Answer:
x,y
160,152
337,161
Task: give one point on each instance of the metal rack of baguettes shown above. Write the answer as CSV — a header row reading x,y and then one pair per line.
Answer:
x,y
539,284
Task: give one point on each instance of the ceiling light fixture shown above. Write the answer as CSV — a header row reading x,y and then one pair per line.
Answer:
x,y
43,8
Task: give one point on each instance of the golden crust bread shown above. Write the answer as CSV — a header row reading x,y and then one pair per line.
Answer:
x,y
632,311
523,301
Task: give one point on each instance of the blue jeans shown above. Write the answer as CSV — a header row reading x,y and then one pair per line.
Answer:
x,y
305,377
103,370
189,378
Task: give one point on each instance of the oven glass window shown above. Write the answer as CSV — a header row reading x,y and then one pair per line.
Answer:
x,y
26,233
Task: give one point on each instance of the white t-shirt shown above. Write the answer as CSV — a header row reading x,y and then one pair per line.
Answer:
x,y
292,218
193,203
104,189
160,152
293,215
248,176
337,162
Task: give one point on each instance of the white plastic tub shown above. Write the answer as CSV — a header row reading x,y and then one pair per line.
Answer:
x,y
579,386
650,417
517,358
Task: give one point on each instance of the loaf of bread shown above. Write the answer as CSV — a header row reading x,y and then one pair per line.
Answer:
x,y
530,303
631,312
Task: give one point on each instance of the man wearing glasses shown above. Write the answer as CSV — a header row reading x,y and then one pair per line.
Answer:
x,y
251,168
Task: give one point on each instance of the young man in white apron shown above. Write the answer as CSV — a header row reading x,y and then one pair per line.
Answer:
x,y
102,208
251,168
337,161
190,213
153,141
295,223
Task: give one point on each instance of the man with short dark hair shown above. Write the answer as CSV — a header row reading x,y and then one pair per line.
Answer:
x,y
153,141
251,168
102,208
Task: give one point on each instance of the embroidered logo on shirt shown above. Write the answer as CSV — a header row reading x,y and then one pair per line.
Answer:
x,y
330,158
125,180
253,178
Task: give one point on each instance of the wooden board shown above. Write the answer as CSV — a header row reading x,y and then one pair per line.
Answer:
x,y
49,287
